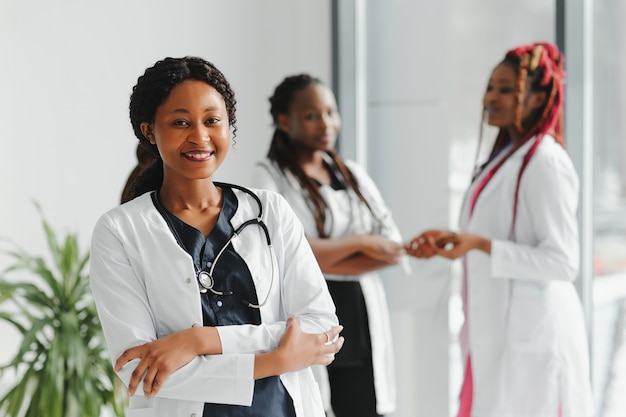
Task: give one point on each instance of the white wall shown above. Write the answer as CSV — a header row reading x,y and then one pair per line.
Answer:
x,y
66,72
408,141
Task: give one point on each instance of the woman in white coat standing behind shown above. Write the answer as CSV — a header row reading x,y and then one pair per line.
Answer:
x,y
524,342
205,290
351,232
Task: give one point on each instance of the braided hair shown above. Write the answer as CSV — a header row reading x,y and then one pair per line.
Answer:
x,y
282,150
152,89
541,65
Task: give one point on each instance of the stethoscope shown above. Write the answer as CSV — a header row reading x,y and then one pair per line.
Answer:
x,y
206,280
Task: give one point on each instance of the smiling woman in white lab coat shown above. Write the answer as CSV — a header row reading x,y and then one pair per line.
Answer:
x,y
210,298
523,340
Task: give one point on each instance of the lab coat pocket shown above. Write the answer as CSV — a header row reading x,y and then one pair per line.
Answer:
x,y
529,325
140,412
530,360
140,407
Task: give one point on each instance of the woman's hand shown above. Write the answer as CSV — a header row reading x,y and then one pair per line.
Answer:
x,y
455,246
298,350
425,245
445,243
160,358
382,249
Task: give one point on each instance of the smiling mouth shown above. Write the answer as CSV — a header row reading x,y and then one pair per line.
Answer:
x,y
491,110
198,155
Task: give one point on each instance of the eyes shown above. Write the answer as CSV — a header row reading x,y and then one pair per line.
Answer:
x,y
186,123
501,90
316,116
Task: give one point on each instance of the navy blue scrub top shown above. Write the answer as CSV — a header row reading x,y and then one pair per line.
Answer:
x,y
232,277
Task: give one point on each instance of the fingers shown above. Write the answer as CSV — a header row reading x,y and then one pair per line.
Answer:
x,y
149,381
126,357
332,343
330,335
152,383
447,243
135,378
330,350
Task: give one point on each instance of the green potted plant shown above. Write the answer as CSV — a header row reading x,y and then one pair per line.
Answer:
x,y
61,367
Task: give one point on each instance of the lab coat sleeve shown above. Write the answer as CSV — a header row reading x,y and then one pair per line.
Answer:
x,y
302,286
549,195
127,320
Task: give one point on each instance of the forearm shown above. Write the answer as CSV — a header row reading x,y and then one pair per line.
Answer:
x,y
484,245
206,339
330,252
268,364
355,265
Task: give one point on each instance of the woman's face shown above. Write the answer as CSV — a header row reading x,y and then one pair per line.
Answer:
x,y
313,121
191,131
500,98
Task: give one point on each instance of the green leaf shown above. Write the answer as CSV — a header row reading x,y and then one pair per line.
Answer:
x,y
63,368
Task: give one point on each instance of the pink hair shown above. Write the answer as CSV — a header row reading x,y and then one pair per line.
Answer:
x,y
546,57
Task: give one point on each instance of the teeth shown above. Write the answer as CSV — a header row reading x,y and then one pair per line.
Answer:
x,y
199,155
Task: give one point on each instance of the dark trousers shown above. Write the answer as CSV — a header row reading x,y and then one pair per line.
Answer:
x,y
352,391
351,375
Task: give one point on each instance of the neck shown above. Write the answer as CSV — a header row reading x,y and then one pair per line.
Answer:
x,y
189,195
517,138
310,159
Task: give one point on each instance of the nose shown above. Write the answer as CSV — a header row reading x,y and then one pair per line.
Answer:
x,y
328,121
199,134
490,97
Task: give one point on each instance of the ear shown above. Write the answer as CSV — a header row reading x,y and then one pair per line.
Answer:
x,y
146,129
283,122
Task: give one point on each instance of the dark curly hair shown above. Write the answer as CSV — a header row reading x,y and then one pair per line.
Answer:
x,y
152,89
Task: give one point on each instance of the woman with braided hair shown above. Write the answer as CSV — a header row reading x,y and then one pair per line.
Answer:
x,y
352,235
524,342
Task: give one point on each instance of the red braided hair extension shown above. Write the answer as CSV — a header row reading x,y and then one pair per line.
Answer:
x,y
521,90
546,57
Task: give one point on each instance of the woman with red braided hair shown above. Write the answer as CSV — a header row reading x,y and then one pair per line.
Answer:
x,y
524,342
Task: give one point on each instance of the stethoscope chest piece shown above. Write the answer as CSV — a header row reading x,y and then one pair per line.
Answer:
x,y
206,281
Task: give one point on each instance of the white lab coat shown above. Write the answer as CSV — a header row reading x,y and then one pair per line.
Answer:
x,y
525,330
347,215
145,288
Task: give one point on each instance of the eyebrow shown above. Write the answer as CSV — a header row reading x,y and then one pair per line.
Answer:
x,y
183,110
501,81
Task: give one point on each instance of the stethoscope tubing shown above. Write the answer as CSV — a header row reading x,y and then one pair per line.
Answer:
x,y
205,279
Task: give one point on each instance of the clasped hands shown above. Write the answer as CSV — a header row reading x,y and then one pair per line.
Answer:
x,y
445,243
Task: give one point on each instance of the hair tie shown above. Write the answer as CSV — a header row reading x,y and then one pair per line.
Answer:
x,y
536,57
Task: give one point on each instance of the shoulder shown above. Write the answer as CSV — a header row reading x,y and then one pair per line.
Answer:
x,y
267,198
357,169
275,210
551,155
266,164
551,168
128,212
